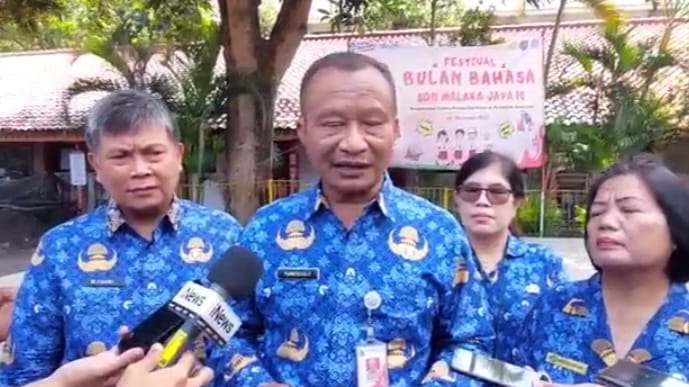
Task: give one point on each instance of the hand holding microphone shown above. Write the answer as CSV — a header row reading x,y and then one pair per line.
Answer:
x,y
197,309
143,373
103,369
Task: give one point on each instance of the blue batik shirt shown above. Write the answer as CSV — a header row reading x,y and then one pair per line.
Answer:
x,y
526,270
93,274
567,336
308,313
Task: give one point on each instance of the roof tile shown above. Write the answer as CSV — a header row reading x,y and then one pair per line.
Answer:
x,y
33,84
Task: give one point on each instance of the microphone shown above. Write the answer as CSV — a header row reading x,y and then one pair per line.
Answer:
x,y
205,309
626,373
494,370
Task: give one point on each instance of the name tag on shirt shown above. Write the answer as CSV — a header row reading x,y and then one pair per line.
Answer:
x,y
566,363
104,283
299,273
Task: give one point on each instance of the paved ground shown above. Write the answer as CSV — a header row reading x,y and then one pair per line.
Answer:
x,y
12,262
571,250
573,254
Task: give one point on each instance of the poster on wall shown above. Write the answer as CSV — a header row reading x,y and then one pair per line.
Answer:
x,y
458,101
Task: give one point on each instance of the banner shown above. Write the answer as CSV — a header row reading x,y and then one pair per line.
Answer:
x,y
457,101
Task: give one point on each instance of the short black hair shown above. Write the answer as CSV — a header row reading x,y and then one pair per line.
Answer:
x,y
441,133
509,168
671,193
346,61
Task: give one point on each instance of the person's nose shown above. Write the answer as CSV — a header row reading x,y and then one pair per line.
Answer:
x,y
141,167
353,141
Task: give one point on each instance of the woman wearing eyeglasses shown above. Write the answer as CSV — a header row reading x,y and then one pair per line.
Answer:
x,y
489,189
637,306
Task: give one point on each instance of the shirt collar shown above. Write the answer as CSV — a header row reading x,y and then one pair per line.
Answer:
x,y
515,247
317,200
115,219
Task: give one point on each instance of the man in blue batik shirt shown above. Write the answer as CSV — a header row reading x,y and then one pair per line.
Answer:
x,y
353,235
115,265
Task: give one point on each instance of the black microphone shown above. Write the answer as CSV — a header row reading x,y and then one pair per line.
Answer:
x,y
205,309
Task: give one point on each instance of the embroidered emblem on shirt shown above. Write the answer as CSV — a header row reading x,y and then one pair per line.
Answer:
x,y
605,351
38,257
440,370
238,363
399,353
409,244
296,348
566,363
680,322
98,258
196,251
461,275
576,307
639,356
295,236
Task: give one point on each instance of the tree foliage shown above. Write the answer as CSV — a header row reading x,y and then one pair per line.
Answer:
x,y
391,14
629,115
49,24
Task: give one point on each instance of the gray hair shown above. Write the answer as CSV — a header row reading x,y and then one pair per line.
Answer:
x,y
125,111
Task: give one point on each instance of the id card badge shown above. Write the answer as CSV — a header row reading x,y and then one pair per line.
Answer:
x,y
372,364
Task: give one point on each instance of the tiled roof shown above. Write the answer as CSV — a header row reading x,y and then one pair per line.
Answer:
x,y
32,84
32,87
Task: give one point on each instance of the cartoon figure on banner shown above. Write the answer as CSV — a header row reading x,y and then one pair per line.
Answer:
x,y
458,154
473,142
526,124
443,142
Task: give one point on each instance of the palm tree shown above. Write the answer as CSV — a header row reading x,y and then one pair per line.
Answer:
x,y
628,115
201,101
131,51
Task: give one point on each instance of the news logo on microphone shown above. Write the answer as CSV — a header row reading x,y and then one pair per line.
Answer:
x,y
205,310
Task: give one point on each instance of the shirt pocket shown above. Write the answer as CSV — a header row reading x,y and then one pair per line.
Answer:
x,y
411,305
288,300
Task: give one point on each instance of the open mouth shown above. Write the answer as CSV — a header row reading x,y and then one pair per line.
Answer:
x,y
351,168
142,190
